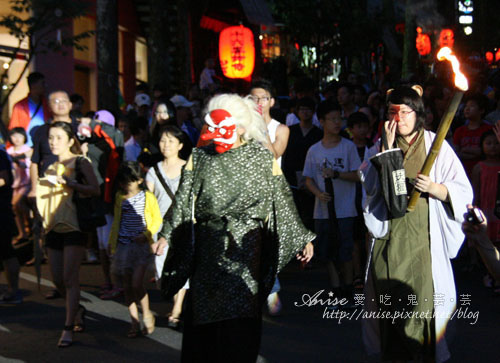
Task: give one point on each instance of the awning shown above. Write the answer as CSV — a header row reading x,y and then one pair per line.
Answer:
x,y
257,12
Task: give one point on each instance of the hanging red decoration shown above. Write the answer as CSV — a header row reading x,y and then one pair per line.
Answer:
x,y
236,52
497,55
446,38
489,57
423,43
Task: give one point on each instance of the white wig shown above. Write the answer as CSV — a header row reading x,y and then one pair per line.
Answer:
x,y
244,111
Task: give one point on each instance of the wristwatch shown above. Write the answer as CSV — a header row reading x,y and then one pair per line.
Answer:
x,y
336,174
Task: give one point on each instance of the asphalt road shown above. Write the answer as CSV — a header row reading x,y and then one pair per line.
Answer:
x,y
29,332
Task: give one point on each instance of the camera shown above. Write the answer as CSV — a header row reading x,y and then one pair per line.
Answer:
x,y
474,216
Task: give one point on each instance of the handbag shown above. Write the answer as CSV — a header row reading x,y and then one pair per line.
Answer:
x,y
392,176
179,262
89,210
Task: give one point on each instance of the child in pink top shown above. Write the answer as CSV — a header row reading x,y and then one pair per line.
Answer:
x,y
20,154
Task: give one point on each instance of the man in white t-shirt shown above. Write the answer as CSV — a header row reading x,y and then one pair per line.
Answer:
x,y
261,92
335,158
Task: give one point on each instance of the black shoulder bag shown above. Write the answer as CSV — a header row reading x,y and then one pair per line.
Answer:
x,y
167,189
89,210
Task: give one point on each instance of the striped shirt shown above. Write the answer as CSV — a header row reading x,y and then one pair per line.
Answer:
x,y
132,221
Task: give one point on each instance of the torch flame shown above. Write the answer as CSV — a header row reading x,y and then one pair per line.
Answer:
x,y
460,80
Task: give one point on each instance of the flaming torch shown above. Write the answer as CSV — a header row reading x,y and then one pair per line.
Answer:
x,y
462,85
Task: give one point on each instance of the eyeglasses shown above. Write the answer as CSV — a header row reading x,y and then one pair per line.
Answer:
x,y
258,99
59,101
401,114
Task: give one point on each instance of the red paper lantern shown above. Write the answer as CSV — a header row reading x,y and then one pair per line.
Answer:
x,y
446,38
489,57
497,55
423,42
236,52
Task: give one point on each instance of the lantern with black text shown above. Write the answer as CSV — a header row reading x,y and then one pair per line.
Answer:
x,y
236,52
423,43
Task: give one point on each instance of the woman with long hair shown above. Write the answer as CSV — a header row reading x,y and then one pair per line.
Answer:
x,y
64,240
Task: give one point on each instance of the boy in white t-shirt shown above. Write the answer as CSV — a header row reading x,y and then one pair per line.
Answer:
x,y
334,158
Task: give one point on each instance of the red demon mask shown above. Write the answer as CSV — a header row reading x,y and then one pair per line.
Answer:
x,y
221,129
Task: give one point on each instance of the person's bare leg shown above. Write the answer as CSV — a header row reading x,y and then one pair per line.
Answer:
x,y
131,302
56,269
73,257
178,301
20,216
142,296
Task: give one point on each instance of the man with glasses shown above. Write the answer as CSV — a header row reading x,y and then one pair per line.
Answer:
x,y
277,133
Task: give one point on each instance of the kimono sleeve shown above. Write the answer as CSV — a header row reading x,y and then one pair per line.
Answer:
x,y
374,208
450,172
291,234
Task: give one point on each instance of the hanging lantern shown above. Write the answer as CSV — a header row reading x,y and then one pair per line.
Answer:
x,y
236,52
446,38
489,57
497,55
423,43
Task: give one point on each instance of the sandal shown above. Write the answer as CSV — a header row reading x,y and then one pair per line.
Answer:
x,y
134,332
65,343
80,326
173,322
149,324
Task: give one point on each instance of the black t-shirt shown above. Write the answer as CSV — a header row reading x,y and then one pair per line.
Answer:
x,y
296,150
42,156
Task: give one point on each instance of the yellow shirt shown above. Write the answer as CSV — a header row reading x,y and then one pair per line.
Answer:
x,y
55,201
152,215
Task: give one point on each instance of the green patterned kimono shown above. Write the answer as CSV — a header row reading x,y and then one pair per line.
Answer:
x,y
246,229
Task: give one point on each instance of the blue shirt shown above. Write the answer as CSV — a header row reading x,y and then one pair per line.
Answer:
x,y
37,120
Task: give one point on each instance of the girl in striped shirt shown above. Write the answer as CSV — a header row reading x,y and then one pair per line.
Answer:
x,y
137,219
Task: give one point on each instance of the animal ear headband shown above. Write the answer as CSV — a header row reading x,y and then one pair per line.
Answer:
x,y
416,88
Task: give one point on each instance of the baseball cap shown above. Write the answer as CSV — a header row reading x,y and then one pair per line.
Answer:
x,y
142,99
180,101
105,116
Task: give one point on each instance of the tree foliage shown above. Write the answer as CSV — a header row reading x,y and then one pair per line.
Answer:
x,y
336,28
38,22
